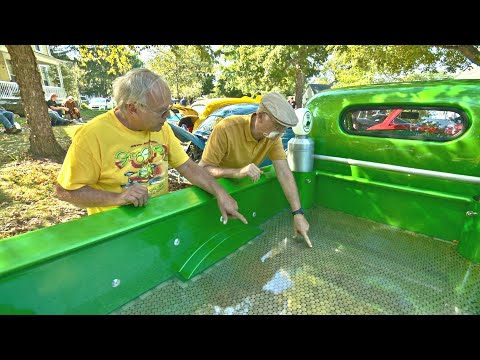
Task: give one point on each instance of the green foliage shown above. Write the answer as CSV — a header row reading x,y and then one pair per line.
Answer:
x,y
417,76
263,68
365,64
103,64
71,74
188,69
221,90
207,83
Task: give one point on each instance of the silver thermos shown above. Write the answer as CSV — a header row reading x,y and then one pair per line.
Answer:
x,y
301,147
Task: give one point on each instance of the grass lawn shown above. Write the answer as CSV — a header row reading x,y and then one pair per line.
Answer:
x,y
27,200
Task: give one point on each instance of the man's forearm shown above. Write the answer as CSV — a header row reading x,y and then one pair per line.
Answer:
x,y
287,181
87,197
218,172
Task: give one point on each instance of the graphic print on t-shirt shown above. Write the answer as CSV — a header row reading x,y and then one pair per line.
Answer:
x,y
145,164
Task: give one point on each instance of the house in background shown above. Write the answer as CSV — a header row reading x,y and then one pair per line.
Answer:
x,y
49,67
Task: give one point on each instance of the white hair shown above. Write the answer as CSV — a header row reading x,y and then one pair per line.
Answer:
x,y
135,85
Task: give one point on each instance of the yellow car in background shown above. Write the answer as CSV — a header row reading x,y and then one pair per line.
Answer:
x,y
185,110
183,115
206,106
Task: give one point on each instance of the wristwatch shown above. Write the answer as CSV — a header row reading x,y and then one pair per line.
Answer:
x,y
299,211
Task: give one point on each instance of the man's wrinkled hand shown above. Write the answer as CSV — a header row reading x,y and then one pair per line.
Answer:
x,y
301,225
137,195
252,171
229,208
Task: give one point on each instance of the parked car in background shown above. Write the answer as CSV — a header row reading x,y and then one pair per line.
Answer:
x,y
206,127
199,105
367,118
100,103
84,100
207,106
412,122
393,122
183,116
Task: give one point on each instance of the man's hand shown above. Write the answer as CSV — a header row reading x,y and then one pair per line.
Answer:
x,y
300,225
251,170
198,176
229,208
135,194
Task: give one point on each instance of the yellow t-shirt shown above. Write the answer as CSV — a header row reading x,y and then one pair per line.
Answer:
x,y
106,155
231,145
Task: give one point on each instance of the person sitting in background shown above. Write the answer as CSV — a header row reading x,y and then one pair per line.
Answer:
x,y
52,104
183,101
72,109
57,120
7,120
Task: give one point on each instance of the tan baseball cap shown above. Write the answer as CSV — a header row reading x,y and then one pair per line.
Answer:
x,y
279,109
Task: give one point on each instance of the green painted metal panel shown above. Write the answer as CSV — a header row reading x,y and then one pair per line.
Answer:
x,y
217,247
95,264
306,187
469,245
418,203
403,207
455,156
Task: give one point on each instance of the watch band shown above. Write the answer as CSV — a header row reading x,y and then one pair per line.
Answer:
x,y
299,211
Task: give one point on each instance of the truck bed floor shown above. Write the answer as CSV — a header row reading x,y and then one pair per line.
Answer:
x,y
356,266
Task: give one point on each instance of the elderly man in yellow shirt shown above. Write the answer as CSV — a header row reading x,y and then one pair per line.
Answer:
x,y
122,156
238,145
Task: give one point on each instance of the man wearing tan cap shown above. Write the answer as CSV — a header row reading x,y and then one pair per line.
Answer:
x,y
237,147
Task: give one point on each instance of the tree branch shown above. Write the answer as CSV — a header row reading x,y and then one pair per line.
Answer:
x,y
471,52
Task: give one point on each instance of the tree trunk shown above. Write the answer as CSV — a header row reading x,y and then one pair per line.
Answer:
x,y
42,140
299,85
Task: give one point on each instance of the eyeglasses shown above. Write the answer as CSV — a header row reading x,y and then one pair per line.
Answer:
x,y
161,113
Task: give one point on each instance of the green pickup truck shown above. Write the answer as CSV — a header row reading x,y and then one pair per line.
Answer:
x,y
392,196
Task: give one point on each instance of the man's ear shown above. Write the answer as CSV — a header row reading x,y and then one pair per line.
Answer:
x,y
131,108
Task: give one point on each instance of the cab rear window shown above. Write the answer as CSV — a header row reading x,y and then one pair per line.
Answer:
x,y
434,124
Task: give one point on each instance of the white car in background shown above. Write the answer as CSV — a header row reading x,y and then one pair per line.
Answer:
x,y
100,103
